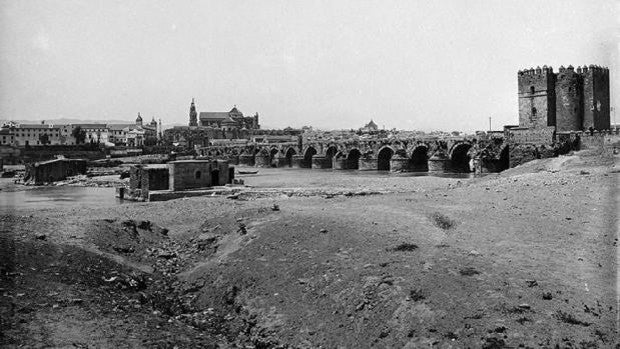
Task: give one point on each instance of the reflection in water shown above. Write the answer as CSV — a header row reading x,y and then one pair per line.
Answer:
x,y
52,197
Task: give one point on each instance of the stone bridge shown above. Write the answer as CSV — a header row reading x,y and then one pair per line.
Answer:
x,y
455,154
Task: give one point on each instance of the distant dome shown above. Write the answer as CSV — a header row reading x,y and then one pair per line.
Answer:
x,y
234,110
139,118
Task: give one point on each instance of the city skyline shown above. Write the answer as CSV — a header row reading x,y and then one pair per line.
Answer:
x,y
444,65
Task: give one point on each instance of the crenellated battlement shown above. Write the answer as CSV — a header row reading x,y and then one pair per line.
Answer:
x,y
538,71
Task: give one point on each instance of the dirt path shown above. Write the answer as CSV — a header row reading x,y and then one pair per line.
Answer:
x,y
527,258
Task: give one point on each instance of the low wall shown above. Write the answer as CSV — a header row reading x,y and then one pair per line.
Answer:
x,y
598,140
531,136
321,162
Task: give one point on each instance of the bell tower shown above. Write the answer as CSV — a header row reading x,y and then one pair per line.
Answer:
x,y
193,116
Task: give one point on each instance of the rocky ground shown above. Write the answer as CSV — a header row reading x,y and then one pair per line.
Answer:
x,y
526,258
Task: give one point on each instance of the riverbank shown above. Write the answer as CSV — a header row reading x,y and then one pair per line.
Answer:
x,y
527,257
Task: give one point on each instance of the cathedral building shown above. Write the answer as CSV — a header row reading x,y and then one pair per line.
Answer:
x,y
227,121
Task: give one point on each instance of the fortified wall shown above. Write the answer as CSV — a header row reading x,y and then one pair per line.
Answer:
x,y
555,109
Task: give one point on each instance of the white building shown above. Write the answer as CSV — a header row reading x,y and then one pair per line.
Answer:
x,y
32,134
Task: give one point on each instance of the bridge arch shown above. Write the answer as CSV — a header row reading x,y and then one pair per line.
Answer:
x,y
418,161
308,154
459,157
273,160
290,152
331,151
384,155
353,158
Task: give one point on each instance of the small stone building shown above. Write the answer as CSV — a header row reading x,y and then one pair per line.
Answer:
x,y
178,176
189,174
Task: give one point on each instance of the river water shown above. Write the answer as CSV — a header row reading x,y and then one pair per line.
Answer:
x,y
55,197
45,197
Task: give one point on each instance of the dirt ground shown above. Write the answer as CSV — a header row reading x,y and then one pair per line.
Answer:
x,y
526,258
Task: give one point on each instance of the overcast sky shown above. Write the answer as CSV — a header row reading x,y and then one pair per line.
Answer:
x,y
427,65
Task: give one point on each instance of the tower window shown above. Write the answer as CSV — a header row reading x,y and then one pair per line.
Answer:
x,y
533,111
532,89
198,174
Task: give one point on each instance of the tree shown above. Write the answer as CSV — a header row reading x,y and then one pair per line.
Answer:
x,y
79,135
44,139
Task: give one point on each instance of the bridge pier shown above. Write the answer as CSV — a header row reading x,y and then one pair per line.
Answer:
x,y
439,163
297,161
246,159
368,164
281,161
262,160
319,161
399,164
339,163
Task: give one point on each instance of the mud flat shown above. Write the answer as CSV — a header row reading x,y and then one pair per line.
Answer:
x,y
525,258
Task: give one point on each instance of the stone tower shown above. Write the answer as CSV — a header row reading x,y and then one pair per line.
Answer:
x,y
571,100
568,100
595,97
193,116
536,97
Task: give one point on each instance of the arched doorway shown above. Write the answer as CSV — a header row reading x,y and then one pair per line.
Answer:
x,y
289,156
384,157
353,159
460,158
419,159
310,152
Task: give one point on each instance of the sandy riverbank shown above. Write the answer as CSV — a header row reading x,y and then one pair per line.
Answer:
x,y
525,258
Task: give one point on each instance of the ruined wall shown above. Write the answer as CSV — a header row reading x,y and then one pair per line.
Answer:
x,y
153,179
190,174
529,144
522,153
54,170
568,92
536,90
